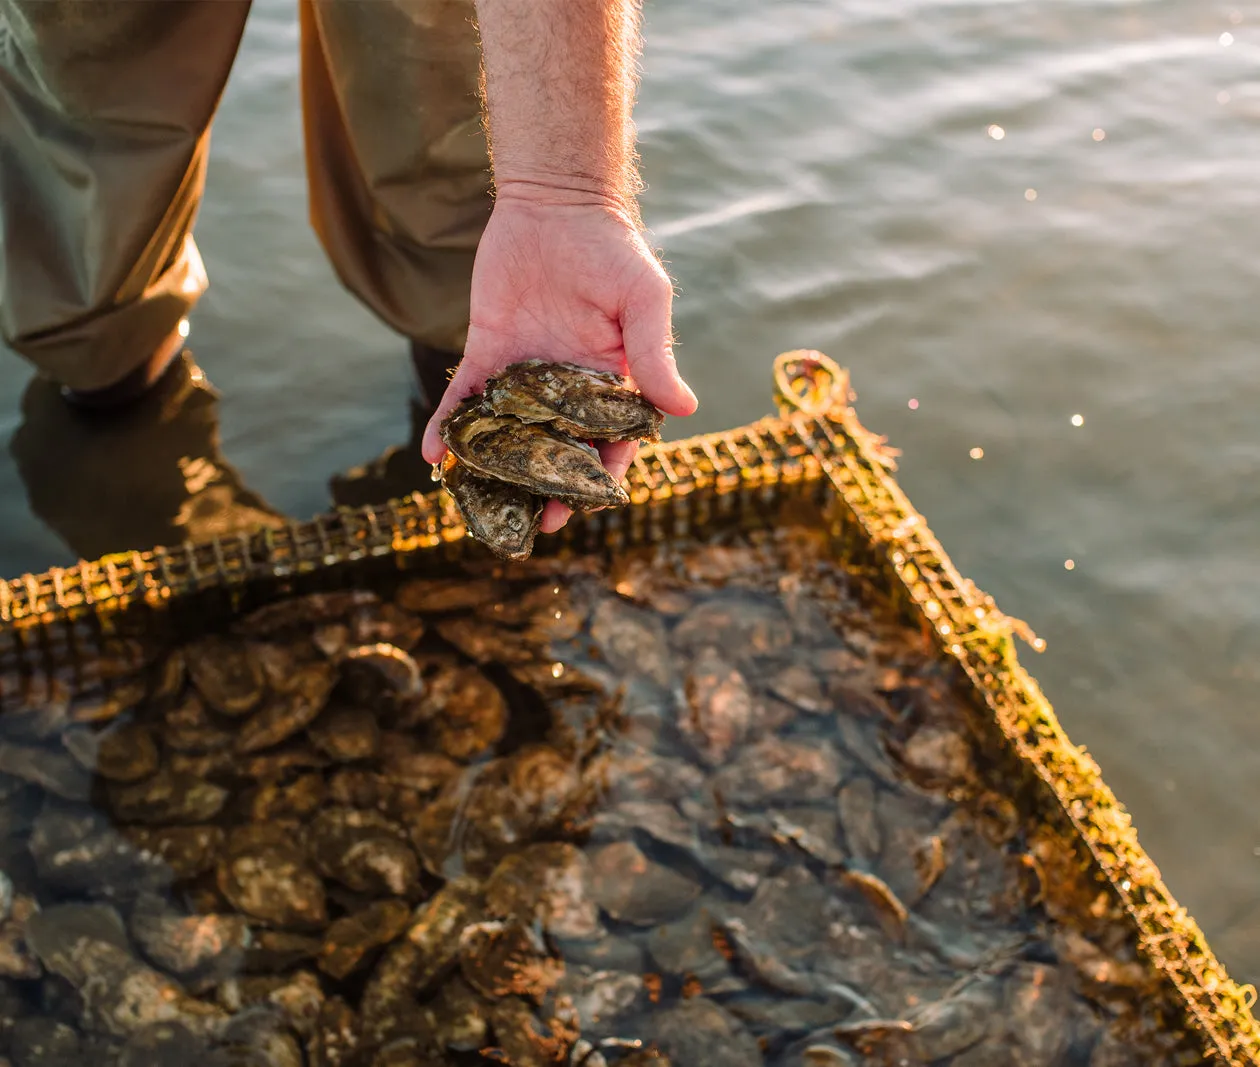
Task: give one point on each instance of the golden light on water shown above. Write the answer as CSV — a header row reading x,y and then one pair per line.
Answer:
x,y
1069,564
977,453
1226,39
1100,135
1030,194
996,132
1078,420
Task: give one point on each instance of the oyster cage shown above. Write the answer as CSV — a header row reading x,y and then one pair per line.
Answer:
x,y
53,624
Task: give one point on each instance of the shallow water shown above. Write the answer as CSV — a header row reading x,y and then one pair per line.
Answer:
x,y
821,174
711,793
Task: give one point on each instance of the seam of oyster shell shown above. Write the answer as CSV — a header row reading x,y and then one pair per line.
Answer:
x,y
531,455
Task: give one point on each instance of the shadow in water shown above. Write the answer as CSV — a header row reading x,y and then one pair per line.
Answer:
x,y
154,475
396,472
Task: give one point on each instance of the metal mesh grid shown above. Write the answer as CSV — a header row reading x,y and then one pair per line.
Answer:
x,y
815,444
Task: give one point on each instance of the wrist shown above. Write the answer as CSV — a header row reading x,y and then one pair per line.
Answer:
x,y
542,189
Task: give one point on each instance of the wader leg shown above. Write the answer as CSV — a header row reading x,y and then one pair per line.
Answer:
x,y
396,156
105,108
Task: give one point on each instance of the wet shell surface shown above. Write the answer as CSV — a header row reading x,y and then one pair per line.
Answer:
x,y
503,516
527,438
575,400
532,456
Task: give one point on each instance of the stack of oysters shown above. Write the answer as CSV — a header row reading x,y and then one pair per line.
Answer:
x,y
527,438
696,804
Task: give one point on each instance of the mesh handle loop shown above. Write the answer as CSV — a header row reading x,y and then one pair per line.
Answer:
x,y
809,382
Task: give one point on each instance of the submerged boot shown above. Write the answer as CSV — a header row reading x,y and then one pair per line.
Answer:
x,y
128,389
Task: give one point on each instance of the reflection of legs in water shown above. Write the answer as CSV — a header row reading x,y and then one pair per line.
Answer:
x,y
399,180
105,484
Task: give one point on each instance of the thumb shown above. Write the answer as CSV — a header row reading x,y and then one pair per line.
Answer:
x,y
647,336
468,379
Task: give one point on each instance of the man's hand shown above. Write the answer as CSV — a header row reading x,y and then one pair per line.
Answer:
x,y
562,271
566,276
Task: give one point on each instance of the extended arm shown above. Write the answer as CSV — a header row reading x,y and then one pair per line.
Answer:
x,y
563,271
559,87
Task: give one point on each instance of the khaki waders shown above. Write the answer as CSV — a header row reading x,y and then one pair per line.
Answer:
x,y
105,113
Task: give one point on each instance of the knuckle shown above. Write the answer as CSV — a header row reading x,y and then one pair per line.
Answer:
x,y
660,281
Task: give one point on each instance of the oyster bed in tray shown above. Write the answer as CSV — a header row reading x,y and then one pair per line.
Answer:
x,y
699,804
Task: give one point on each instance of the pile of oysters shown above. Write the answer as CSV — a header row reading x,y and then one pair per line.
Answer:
x,y
697,805
527,438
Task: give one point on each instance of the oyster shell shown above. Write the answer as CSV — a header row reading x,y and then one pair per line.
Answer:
x,y
501,959
41,1041
168,797
547,883
457,1017
532,456
265,876
345,735
16,959
122,752
575,400
87,946
351,938
182,944
287,713
364,851
502,516
226,673
634,889
701,1031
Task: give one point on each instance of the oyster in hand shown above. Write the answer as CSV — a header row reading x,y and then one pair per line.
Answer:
x,y
530,455
586,404
502,516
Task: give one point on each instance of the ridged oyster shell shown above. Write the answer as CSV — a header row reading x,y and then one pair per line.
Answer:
x,y
530,455
583,403
502,516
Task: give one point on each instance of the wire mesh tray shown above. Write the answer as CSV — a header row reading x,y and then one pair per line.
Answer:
x,y
53,624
